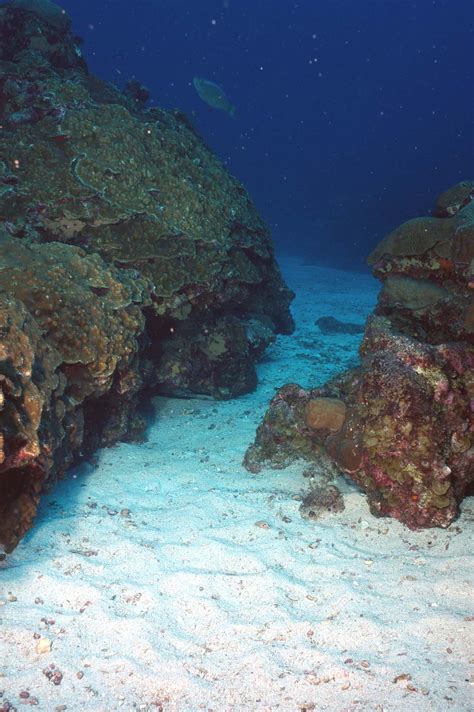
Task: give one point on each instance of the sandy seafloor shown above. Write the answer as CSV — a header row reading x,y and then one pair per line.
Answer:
x,y
158,590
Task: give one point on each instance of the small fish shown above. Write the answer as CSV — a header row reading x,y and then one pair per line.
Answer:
x,y
213,95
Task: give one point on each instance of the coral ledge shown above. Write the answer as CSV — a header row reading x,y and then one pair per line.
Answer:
x,y
400,425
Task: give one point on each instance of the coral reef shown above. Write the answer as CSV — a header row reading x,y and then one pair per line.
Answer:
x,y
426,267
71,366
400,425
30,398
325,414
137,187
130,261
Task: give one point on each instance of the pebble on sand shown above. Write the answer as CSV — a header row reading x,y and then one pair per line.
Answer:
x,y
43,646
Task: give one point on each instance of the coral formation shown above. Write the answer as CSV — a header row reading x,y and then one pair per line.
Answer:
x,y
325,414
31,387
70,366
453,199
427,268
130,261
400,425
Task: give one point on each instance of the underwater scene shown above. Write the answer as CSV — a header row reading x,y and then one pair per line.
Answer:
x,y
236,355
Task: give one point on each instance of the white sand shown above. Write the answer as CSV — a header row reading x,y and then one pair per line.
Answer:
x,y
187,604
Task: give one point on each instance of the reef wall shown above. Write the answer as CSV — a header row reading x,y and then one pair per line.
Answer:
x,y
131,262
401,424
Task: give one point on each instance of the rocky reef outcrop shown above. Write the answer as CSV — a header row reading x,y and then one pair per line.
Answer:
x,y
400,425
131,262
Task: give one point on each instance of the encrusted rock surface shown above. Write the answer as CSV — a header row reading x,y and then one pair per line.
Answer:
x,y
427,270
401,424
130,261
71,366
31,386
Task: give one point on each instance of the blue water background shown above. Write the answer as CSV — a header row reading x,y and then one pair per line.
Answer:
x,y
351,115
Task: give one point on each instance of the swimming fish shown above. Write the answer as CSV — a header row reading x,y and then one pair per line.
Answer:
x,y
213,95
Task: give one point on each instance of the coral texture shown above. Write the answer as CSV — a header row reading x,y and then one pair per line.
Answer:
x,y
130,262
325,414
139,188
31,387
70,366
400,425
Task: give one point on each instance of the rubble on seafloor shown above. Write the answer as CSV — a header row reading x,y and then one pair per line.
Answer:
x,y
401,424
131,262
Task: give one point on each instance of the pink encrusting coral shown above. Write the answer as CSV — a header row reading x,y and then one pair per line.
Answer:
x,y
406,436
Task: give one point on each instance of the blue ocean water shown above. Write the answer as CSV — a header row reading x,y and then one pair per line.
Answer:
x,y
351,116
